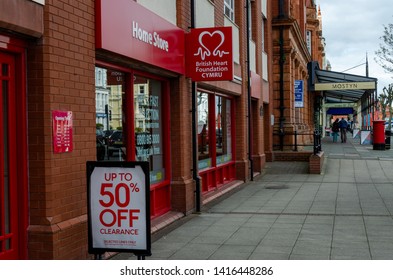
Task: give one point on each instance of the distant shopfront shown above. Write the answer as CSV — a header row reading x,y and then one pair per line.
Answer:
x,y
216,162
137,51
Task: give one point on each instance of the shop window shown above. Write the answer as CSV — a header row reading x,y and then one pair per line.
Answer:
x,y
110,95
112,123
215,140
223,130
204,157
132,113
214,130
149,125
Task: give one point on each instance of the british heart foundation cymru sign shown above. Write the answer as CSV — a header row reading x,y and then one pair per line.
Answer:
x,y
209,54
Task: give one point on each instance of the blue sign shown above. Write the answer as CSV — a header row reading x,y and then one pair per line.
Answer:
x,y
299,94
100,115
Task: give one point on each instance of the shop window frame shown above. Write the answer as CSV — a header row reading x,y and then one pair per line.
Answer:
x,y
213,177
129,129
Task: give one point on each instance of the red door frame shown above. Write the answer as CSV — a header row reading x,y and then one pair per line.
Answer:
x,y
13,50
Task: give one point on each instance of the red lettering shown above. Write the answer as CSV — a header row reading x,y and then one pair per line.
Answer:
x,y
119,231
120,216
111,215
109,218
109,194
132,217
110,176
125,176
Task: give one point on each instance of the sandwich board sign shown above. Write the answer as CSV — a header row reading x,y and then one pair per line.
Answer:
x,y
119,207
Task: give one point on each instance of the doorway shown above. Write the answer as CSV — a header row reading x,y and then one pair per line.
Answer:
x,y
12,161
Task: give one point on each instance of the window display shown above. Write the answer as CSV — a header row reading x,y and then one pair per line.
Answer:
x,y
132,124
110,93
215,140
148,125
223,130
218,131
204,156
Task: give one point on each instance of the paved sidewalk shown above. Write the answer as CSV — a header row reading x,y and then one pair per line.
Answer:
x,y
344,213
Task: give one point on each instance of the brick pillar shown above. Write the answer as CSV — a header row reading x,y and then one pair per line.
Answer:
x,y
61,77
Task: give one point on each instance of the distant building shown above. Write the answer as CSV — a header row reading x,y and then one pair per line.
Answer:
x,y
297,40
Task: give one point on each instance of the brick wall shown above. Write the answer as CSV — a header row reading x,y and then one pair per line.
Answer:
x,y
61,77
296,57
291,156
316,163
269,108
242,163
182,184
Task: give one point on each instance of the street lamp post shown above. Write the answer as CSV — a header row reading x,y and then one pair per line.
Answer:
x,y
194,130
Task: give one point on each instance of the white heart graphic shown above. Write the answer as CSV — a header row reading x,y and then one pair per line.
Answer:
x,y
203,51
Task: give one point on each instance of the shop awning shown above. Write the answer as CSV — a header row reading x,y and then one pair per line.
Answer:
x,y
338,87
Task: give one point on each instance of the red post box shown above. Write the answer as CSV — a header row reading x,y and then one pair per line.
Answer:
x,y
379,135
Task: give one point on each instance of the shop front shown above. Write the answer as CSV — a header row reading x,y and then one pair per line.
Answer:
x,y
216,162
138,54
135,125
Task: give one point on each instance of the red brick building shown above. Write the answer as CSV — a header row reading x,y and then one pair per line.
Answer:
x,y
106,81
297,40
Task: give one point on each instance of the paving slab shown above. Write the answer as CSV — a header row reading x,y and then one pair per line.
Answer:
x,y
345,213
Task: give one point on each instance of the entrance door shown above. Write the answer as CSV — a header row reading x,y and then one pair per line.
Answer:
x,y
9,222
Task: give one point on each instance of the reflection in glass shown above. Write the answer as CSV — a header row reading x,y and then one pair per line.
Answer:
x,y
223,130
149,125
221,127
204,157
110,94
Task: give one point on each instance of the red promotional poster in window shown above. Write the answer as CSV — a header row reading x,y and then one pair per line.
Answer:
x,y
209,54
62,131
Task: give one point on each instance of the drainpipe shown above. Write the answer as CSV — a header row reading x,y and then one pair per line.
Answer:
x,y
282,61
195,174
249,93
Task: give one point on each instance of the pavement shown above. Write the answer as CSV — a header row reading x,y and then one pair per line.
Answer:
x,y
345,213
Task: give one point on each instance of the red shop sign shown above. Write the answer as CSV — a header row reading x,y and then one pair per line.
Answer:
x,y
209,54
62,131
127,28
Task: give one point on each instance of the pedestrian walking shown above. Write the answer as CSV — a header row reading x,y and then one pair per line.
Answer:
x,y
343,124
350,125
335,130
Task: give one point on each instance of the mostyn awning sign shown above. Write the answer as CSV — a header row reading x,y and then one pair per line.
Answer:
x,y
345,86
209,54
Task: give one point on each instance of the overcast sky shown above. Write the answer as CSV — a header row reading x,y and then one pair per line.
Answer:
x,y
353,28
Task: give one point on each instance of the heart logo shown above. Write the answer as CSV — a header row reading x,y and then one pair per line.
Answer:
x,y
211,41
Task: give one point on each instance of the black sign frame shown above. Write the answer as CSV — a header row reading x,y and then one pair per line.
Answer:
x,y
90,166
